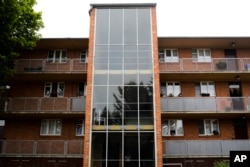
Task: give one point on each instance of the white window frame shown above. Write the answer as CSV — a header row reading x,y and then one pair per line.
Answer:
x,y
201,55
171,57
161,55
168,55
210,127
171,89
51,127
57,56
176,130
207,88
83,56
48,89
80,128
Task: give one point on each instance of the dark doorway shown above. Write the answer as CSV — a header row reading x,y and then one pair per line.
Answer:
x,y
230,55
236,96
240,128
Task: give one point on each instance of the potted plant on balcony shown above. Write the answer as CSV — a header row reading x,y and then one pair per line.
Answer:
x,y
221,65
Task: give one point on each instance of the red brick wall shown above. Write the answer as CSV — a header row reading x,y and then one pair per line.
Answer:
x,y
157,92
87,140
190,127
29,129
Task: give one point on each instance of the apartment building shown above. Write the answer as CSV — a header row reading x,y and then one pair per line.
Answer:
x,y
125,97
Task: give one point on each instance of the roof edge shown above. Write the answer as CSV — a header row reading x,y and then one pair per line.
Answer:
x,y
123,5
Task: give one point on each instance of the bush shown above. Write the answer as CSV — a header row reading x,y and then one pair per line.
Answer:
x,y
221,164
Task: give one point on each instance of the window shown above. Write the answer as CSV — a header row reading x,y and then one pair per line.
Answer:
x,y
82,89
83,56
54,89
208,127
57,56
79,128
51,127
168,55
201,55
172,127
170,89
161,56
207,89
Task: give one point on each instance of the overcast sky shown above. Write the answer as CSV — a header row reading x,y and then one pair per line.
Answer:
x,y
69,18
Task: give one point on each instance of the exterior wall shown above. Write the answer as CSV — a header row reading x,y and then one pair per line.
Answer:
x,y
191,131
157,102
43,53
36,88
29,129
88,117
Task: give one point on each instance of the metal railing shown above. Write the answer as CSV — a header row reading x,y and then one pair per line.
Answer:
x,y
188,148
211,65
205,104
45,104
45,65
36,148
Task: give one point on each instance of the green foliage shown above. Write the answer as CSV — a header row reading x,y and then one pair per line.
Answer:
x,y
19,26
221,164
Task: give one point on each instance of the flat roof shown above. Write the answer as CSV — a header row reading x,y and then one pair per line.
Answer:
x,y
123,5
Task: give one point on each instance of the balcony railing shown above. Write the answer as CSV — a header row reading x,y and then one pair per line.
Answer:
x,y
44,65
188,148
45,148
211,65
44,104
205,104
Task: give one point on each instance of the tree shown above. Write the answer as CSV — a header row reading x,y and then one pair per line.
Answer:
x,y
19,26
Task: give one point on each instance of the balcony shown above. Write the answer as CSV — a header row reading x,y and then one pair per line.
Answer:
x,y
205,104
199,148
41,148
44,65
211,65
44,104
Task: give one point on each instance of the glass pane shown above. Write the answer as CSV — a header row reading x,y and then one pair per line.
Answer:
x,y
115,94
58,126
51,126
43,127
146,149
131,152
208,127
99,114
100,79
116,26
114,149
116,79
130,26
100,94
179,127
144,26
201,127
130,79
102,26
61,89
99,149
168,53
115,116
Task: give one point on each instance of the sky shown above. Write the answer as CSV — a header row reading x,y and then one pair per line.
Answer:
x,y
175,18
